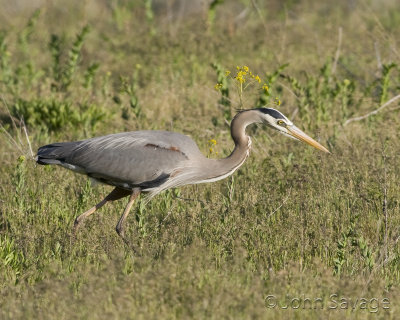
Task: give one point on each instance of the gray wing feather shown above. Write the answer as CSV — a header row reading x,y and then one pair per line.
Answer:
x,y
141,158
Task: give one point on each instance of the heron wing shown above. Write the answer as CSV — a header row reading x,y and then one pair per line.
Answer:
x,y
142,158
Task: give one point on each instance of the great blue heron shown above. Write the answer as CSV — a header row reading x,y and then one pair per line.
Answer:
x,y
153,161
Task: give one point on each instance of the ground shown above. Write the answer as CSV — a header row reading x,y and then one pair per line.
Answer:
x,y
295,233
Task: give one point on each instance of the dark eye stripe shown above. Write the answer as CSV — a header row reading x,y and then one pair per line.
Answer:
x,y
273,113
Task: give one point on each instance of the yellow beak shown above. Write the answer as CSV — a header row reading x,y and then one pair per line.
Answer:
x,y
297,133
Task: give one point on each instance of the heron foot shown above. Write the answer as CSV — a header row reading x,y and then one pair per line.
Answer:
x,y
120,225
121,233
120,230
80,219
77,223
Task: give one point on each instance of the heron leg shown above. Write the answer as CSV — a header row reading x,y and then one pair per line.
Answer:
x,y
116,194
120,226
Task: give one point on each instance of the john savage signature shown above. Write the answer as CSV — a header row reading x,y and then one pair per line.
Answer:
x,y
331,302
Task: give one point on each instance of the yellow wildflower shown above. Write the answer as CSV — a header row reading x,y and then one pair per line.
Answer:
x,y
246,68
277,101
240,77
227,73
265,87
212,141
218,86
258,79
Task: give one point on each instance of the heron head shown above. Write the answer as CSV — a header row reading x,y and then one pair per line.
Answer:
x,y
278,121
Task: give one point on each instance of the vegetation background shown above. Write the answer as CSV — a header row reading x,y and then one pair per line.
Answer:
x,y
292,222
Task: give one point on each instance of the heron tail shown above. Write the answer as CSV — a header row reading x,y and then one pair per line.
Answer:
x,y
55,153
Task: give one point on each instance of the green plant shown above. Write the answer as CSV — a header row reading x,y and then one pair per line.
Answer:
x,y
212,11
5,69
150,16
243,80
26,33
54,115
318,95
90,74
129,88
385,81
19,181
11,259
270,82
73,59
223,87
55,46
366,252
343,254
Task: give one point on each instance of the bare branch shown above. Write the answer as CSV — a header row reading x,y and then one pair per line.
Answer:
x,y
372,112
282,203
19,145
378,56
255,5
15,143
16,128
337,55
27,138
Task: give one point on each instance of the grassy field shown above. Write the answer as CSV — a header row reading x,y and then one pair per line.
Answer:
x,y
293,234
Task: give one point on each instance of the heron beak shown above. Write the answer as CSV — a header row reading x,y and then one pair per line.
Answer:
x,y
297,133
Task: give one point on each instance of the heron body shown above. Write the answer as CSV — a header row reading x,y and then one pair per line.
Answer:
x,y
153,161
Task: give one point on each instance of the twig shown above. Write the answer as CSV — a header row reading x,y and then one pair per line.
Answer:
x,y
11,138
283,202
372,112
166,217
189,199
337,55
384,204
27,138
253,2
294,113
241,15
378,56
288,89
18,128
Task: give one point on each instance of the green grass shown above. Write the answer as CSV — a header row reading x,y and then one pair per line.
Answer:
x,y
291,223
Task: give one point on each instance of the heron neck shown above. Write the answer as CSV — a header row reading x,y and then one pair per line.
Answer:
x,y
241,140
222,168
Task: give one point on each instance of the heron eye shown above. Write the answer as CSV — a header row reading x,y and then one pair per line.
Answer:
x,y
281,123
